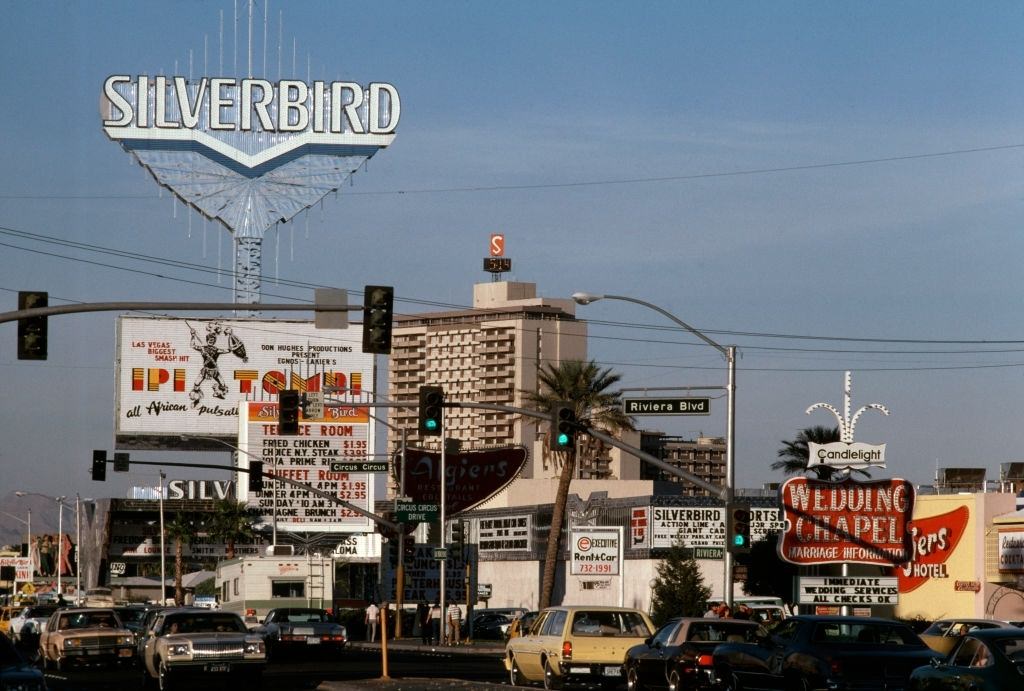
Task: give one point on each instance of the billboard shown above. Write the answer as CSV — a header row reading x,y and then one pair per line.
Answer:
x,y
505,534
342,434
846,521
595,551
179,381
473,476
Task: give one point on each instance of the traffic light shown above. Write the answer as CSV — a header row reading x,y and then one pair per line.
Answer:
x,y
393,546
431,410
563,427
378,303
122,462
99,466
288,412
32,331
255,476
737,528
408,548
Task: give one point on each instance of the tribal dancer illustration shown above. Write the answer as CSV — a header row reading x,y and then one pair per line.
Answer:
x,y
211,352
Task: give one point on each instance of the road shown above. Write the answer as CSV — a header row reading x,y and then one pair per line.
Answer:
x,y
357,667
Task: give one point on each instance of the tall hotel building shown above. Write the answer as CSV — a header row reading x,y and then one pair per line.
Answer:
x,y
488,354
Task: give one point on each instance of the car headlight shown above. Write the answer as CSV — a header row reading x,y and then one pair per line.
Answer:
x,y
126,640
178,649
72,642
254,647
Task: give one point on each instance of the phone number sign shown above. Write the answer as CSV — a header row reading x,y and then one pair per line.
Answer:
x,y
596,551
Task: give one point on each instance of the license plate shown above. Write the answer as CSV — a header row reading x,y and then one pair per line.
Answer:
x,y
312,640
218,667
93,652
613,671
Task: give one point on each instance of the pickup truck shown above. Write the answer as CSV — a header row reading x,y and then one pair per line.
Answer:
x,y
576,644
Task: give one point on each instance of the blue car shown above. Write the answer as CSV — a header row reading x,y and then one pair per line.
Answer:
x,y
15,671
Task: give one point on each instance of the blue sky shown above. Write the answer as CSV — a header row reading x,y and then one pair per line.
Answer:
x,y
829,186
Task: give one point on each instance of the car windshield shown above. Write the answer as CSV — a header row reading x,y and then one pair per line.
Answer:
x,y
718,631
88,620
865,632
132,614
201,623
303,617
39,612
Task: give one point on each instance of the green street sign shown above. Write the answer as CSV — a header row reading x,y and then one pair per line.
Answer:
x,y
412,512
359,467
666,406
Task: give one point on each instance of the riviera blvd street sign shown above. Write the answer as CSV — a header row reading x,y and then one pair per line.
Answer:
x,y
666,406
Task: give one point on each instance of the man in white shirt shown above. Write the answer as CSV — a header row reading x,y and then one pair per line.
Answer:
x,y
372,617
454,628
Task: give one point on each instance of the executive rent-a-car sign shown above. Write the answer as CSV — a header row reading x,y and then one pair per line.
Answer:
x,y
847,521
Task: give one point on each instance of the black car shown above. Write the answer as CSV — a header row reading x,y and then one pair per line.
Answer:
x,y
816,652
132,616
16,672
983,660
491,626
301,629
678,655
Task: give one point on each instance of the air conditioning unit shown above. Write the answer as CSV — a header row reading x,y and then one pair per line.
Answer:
x,y
281,551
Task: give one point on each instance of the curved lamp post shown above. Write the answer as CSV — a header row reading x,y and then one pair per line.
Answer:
x,y
729,353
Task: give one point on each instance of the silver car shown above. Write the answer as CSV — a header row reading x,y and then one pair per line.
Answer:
x,y
196,643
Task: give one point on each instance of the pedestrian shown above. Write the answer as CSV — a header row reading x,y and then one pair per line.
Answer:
x,y
423,621
453,629
712,612
372,617
61,602
435,623
724,612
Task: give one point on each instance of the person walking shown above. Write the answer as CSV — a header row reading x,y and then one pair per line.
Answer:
x,y
423,621
372,617
453,630
435,623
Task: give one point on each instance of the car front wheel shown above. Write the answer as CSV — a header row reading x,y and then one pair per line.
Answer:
x,y
515,676
674,682
164,680
633,679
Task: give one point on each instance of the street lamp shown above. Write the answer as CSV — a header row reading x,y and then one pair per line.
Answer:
x,y
729,353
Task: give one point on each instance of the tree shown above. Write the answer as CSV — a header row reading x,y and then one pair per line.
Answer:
x,y
233,522
795,455
679,589
183,529
767,573
585,386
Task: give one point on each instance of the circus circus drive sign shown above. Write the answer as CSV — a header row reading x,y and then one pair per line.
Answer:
x,y
846,522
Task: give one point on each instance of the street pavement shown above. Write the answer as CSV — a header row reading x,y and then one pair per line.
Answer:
x,y
482,648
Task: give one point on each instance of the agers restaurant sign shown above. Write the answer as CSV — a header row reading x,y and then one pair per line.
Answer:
x,y
846,521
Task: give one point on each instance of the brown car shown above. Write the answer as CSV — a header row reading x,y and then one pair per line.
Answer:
x,y
85,636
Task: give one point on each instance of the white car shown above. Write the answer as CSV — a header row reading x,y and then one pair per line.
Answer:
x,y
30,622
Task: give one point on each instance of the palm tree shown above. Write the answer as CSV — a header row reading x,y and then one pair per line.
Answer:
x,y
183,530
232,522
584,386
794,455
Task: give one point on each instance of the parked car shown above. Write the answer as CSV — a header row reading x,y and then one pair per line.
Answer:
x,y
99,597
521,624
8,612
85,636
678,655
26,626
989,659
16,672
293,629
944,634
491,626
816,652
194,643
131,616
576,644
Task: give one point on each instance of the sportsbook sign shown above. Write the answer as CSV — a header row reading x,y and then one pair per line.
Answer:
x,y
847,521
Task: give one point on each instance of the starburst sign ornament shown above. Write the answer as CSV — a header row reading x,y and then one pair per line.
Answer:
x,y
846,454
